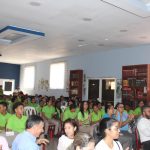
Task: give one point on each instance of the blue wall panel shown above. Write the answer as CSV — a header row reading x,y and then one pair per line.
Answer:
x,y
10,71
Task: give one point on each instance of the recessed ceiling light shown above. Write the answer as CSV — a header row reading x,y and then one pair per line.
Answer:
x,y
87,19
100,44
123,30
143,37
106,39
81,45
35,3
81,40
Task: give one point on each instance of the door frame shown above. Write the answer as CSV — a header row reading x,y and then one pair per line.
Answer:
x,y
100,87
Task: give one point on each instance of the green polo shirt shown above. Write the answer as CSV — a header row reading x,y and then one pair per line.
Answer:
x,y
35,105
68,114
102,112
96,116
137,111
48,111
16,124
4,119
85,120
129,112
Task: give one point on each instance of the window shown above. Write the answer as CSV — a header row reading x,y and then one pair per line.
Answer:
x,y
57,75
29,77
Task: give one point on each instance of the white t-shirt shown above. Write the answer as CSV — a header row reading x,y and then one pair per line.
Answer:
x,y
103,146
64,142
3,143
143,127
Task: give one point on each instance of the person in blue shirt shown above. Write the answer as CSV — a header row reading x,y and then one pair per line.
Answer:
x,y
27,140
124,119
109,109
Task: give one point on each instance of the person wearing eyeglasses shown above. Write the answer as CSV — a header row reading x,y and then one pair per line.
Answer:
x,y
124,119
109,132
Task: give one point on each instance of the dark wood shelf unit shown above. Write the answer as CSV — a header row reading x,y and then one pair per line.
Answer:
x,y
76,83
135,83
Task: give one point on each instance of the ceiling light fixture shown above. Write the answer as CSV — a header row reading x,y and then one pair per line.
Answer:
x,y
87,19
100,44
81,40
81,45
106,39
13,34
143,37
123,30
35,3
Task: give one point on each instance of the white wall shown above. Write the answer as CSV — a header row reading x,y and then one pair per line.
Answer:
x,y
98,64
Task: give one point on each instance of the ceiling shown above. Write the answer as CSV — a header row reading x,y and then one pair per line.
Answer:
x,y
74,27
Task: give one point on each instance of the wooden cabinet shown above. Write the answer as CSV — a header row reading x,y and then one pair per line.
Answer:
x,y
76,81
135,83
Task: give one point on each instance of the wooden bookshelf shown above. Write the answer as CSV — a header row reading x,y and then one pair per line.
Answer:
x,y
135,83
76,81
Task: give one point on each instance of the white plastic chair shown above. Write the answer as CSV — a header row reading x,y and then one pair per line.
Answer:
x,y
28,111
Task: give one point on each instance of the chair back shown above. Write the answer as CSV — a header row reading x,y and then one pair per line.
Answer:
x,y
28,111
137,139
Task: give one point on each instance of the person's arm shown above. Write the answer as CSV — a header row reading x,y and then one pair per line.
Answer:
x,y
43,116
123,123
4,145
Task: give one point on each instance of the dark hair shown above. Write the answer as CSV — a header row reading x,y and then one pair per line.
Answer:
x,y
4,104
95,104
73,123
33,120
107,107
118,105
82,109
17,104
81,139
144,107
72,106
104,124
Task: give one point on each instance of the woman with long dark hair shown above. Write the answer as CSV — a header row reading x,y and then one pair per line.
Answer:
x,y
84,117
109,132
70,128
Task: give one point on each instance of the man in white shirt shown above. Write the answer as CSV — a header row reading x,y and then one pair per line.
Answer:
x,y
143,127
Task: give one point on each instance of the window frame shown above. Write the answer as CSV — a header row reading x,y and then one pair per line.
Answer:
x,y
64,86
29,88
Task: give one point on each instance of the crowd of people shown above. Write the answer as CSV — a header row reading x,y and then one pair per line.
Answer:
x,y
78,124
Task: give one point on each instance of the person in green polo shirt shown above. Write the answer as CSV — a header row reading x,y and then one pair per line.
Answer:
x,y
137,111
128,109
49,113
4,115
70,113
84,117
17,121
33,103
96,114
102,111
